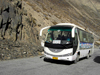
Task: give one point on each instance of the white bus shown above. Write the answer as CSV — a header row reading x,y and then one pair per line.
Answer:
x,y
69,42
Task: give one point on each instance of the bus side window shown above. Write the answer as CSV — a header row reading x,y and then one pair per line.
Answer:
x,y
76,38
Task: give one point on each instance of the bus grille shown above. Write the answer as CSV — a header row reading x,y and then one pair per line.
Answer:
x,y
56,55
55,50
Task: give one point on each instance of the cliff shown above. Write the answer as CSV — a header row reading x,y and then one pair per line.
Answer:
x,y
17,39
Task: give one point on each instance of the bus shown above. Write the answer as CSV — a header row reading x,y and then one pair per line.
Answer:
x,y
68,42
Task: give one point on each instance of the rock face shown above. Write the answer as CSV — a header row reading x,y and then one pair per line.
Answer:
x,y
10,19
17,39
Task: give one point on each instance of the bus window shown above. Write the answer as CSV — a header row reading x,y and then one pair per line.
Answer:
x,y
80,35
59,34
49,37
76,38
83,36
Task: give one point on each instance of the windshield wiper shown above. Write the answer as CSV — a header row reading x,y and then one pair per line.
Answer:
x,y
67,45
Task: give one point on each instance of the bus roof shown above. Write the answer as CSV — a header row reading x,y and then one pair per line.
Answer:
x,y
69,24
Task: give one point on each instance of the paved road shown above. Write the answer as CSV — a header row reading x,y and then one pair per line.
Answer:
x,y
37,66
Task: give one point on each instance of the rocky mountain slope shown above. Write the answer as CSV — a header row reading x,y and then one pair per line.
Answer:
x,y
21,21
49,12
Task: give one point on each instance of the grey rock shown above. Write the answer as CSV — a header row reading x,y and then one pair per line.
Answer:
x,y
11,11
3,30
5,17
0,11
19,4
24,12
14,23
0,21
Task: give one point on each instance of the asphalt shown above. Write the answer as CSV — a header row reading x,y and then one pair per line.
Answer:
x,y
39,66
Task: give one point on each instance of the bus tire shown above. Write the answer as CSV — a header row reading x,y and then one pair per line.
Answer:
x,y
77,59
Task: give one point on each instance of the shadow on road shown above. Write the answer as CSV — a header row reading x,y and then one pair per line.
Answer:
x,y
58,61
62,61
97,59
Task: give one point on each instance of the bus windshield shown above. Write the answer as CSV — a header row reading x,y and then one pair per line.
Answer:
x,y
59,35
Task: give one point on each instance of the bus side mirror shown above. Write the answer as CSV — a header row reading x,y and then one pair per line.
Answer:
x,y
42,43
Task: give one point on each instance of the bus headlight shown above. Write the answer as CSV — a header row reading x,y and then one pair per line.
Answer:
x,y
69,54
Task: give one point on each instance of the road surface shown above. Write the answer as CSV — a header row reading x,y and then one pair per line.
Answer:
x,y
37,66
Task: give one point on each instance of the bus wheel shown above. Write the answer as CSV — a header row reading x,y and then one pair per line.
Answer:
x,y
77,59
88,55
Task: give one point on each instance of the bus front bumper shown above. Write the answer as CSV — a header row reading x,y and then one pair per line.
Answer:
x,y
65,58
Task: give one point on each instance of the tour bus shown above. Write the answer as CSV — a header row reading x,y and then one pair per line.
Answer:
x,y
67,41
